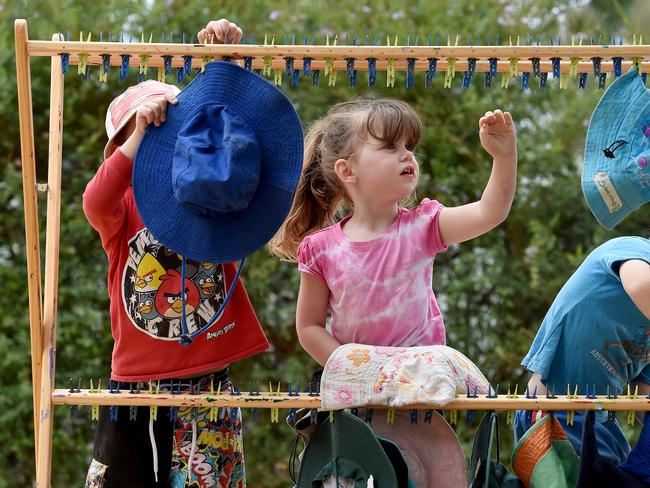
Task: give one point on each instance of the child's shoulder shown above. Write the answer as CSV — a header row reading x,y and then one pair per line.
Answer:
x,y
323,235
426,206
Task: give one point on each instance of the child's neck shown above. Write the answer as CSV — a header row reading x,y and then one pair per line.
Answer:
x,y
370,221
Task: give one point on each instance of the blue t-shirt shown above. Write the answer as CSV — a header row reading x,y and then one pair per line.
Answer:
x,y
593,333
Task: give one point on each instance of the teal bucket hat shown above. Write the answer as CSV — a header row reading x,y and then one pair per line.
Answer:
x,y
616,173
346,448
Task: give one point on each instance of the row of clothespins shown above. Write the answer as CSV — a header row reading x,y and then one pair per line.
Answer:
x,y
179,387
294,75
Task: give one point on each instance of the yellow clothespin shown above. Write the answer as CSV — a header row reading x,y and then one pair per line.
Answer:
x,y
275,412
94,410
570,415
631,415
144,58
513,61
268,60
390,416
331,416
82,64
510,416
451,65
390,66
564,81
453,417
330,72
505,81
277,76
214,411
573,68
153,409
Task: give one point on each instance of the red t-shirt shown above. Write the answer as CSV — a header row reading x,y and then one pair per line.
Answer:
x,y
144,279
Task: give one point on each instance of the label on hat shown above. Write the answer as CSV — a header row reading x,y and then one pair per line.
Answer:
x,y
608,192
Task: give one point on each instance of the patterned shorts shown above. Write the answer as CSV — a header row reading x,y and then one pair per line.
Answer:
x,y
195,447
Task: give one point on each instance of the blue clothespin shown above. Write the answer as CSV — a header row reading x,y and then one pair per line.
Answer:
x,y
542,80
468,76
315,77
369,413
602,79
525,79
292,415
428,416
124,66
617,65
414,416
493,392
534,394
354,411
352,73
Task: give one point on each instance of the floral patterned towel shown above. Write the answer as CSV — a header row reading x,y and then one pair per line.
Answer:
x,y
358,375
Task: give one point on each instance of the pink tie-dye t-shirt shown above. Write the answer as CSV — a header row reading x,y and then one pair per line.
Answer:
x,y
380,290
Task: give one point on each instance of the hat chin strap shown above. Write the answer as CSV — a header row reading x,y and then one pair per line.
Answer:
x,y
186,338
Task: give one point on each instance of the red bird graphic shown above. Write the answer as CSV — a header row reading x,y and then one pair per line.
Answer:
x,y
168,297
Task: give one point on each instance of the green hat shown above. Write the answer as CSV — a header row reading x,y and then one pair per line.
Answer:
x,y
346,448
544,456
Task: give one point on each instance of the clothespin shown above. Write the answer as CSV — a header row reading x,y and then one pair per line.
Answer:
x,y
611,415
549,393
214,411
470,413
414,416
144,60
573,69
94,410
451,66
637,60
369,413
82,66
410,66
390,416
433,65
529,395
582,81
275,412
564,81
268,60
514,60
542,80
555,62
306,62
351,72
510,416
591,395
330,72
631,416
505,81
113,410
570,415
124,66
493,392
453,414
617,66
525,79
468,76
390,66
331,416
153,409
428,415
74,409
65,59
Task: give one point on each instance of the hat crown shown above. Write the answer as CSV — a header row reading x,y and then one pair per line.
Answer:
x,y
216,163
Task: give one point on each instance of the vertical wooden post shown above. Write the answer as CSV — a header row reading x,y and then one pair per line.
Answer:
x,y
32,249
51,284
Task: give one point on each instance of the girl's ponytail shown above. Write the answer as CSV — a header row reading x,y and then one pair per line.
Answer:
x,y
315,203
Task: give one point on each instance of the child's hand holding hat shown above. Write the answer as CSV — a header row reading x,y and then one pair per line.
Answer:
x,y
220,31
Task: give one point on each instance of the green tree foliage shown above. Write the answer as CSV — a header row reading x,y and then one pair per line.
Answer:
x,y
494,290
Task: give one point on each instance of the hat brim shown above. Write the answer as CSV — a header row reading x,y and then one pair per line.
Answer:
x,y
230,236
433,453
615,117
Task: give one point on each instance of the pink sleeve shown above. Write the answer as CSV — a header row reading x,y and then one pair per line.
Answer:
x,y
307,259
429,212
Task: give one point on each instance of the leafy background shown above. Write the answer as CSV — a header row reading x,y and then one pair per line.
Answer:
x,y
494,290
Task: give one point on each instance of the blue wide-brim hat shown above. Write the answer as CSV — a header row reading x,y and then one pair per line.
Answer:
x,y
217,179
616,174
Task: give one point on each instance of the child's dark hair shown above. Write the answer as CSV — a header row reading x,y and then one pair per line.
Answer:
x,y
337,136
